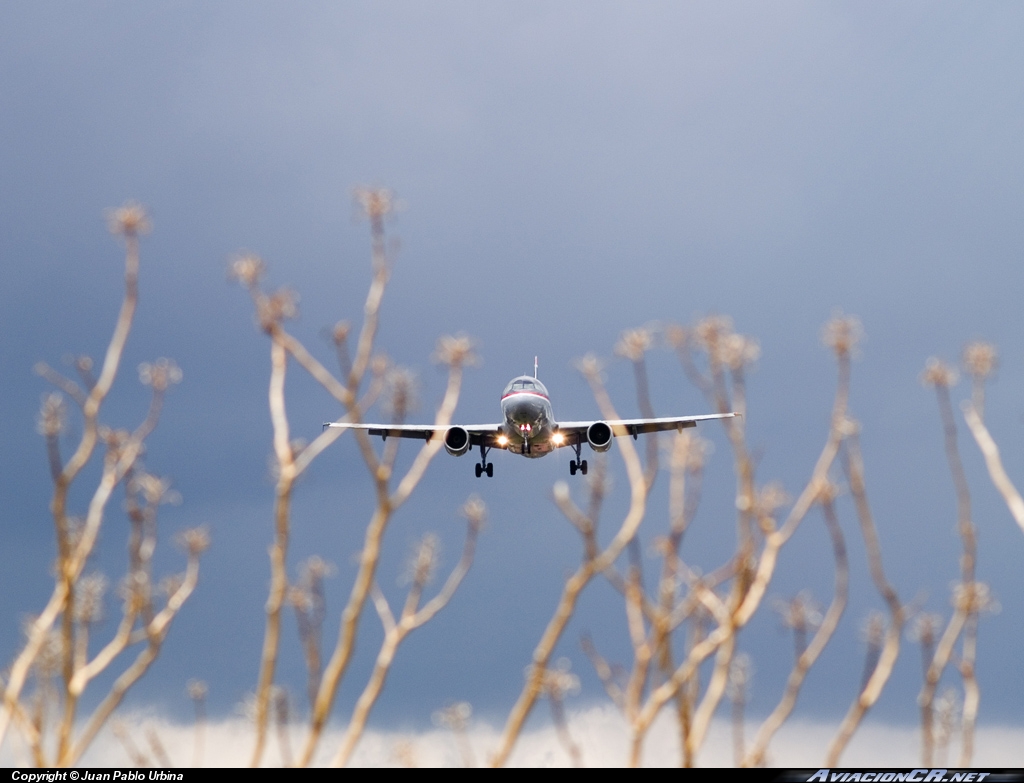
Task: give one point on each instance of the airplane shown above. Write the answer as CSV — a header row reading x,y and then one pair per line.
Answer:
x,y
529,428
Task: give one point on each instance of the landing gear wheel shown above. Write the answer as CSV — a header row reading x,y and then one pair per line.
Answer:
x,y
583,467
572,467
483,466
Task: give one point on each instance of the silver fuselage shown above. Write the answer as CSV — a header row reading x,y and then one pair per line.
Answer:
x,y
529,425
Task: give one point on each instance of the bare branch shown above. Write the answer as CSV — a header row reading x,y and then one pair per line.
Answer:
x,y
994,463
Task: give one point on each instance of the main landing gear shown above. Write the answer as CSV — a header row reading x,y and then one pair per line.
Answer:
x,y
483,466
578,464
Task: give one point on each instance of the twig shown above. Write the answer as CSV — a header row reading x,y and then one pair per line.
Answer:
x,y
994,463
881,671
578,581
412,617
756,756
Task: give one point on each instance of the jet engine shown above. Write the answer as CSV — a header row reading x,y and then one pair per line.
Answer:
x,y
456,441
599,436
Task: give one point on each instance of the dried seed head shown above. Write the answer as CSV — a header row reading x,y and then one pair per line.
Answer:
x,y
280,306
741,672
89,597
246,708
800,613
248,269
770,498
454,716
709,333
376,203
560,682
947,704
455,351
400,391
475,510
315,569
340,332
561,491
925,628
135,591
420,567
980,360
974,597
737,351
52,415
698,453
828,491
160,374
634,343
301,599
155,490
308,597
589,367
50,658
115,440
873,629
196,690
195,540
130,220
842,334
939,374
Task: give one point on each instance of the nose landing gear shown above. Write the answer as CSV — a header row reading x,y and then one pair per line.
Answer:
x,y
483,466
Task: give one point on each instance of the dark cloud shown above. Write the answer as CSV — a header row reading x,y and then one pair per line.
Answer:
x,y
569,170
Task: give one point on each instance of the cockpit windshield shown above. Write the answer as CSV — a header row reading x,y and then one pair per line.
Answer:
x,y
525,383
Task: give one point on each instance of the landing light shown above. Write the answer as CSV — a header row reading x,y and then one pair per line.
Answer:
x,y
558,439
502,440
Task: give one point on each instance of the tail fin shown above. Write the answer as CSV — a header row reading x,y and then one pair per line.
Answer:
x,y
534,366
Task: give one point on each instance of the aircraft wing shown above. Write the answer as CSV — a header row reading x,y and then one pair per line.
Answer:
x,y
636,427
478,433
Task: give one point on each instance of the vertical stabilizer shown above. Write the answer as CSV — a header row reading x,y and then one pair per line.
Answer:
x,y
534,366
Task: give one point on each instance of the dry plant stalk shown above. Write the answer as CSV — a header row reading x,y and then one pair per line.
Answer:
x,y
197,690
757,755
964,620
690,622
363,368
652,621
595,562
412,617
880,669
970,597
58,640
980,361
559,683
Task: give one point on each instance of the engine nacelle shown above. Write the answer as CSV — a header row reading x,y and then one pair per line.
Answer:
x,y
599,436
456,441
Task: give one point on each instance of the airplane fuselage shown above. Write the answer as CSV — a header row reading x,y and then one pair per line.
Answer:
x,y
529,424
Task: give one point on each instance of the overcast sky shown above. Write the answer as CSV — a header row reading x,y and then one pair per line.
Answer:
x,y
567,170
